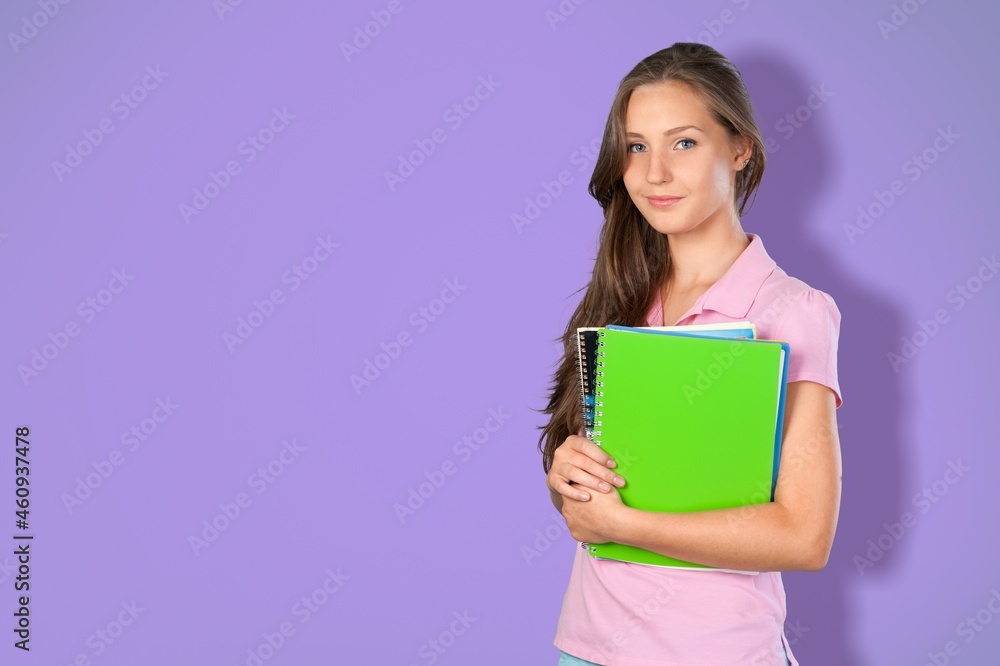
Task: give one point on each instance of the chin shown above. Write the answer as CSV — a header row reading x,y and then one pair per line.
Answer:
x,y
667,223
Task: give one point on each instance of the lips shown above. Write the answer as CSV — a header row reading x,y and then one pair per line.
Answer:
x,y
663,201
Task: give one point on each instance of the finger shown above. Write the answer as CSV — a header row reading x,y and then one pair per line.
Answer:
x,y
585,478
573,492
600,473
571,472
575,457
592,451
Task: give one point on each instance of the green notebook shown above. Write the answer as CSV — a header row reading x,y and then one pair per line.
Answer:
x,y
693,422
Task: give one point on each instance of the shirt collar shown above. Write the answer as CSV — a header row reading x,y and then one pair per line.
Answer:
x,y
735,291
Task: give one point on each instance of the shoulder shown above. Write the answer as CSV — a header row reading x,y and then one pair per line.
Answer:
x,y
783,300
812,319
808,319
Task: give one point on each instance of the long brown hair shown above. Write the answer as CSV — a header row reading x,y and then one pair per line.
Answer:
x,y
633,259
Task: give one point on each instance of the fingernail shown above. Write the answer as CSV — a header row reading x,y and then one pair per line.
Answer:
x,y
611,463
604,486
619,481
584,496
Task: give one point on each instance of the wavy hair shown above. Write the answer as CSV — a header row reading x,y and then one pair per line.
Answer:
x,y
633,258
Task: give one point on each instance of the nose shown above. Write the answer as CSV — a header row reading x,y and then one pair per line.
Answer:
x,y
657,169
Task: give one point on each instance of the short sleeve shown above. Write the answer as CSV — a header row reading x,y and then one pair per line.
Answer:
x,y
811,327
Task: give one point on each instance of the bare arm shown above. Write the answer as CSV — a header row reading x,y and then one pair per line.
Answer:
x,y
794,532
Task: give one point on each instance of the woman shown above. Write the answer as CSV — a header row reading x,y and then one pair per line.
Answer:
x,y
681,154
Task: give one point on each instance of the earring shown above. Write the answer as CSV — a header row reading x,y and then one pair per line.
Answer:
x,y
745,163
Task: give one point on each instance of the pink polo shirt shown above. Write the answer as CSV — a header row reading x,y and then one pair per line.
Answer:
x,y
625,614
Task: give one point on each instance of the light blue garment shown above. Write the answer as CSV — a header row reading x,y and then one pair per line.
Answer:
x,y
569,660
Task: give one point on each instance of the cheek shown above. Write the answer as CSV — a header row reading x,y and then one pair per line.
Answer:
x,y
630,178
720,179
631,181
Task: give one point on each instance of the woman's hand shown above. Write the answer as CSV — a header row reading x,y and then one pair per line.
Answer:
x,y
594,520
578,466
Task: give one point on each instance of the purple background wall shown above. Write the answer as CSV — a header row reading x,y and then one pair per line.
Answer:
x,y
95,183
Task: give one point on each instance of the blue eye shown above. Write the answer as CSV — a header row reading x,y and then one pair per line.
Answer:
x,y
631,145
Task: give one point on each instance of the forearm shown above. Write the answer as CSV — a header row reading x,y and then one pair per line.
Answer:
x,y
759,537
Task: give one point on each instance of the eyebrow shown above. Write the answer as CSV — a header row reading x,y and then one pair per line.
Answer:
x,y
668,132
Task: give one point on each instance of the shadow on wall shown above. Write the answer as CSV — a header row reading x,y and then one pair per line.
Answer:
x,y
792,113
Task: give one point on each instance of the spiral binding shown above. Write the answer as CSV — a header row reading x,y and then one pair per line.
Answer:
x,y
598,384
598,404
580,347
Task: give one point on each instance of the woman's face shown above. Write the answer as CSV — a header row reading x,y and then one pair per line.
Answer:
x,y
669,157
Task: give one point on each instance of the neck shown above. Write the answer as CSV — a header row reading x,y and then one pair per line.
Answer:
x,y
700,257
